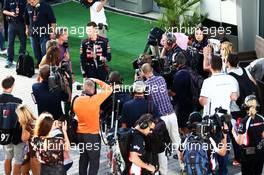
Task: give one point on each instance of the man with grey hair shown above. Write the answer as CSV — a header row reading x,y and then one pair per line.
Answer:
x,y
136,107
87,108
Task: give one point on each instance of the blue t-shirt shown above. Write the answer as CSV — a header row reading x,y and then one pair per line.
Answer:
x,y
133,109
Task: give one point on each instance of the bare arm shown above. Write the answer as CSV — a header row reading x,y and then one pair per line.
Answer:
x,y
8,13
203,100
206,53
234,96
134,158
101,5
25,135
239,137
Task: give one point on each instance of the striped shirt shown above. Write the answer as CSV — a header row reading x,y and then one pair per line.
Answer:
x,y
159,94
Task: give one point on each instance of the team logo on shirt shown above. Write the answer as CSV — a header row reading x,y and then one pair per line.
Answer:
x,y
6,113
136,147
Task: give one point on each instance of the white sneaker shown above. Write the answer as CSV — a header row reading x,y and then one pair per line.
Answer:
x,y
3,52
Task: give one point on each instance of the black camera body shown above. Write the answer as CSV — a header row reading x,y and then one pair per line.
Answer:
x,y
213,124
65,45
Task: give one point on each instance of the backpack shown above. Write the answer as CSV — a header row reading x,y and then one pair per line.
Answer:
x,y
8,123
194,156
25,65
196,86
72,125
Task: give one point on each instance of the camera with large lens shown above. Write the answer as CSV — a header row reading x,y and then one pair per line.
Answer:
x,y
213,124
65,45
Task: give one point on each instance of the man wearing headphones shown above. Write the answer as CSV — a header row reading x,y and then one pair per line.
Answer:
x,y
250,134
137,153
169,46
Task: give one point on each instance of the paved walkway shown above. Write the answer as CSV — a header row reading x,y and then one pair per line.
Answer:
x,y
23,90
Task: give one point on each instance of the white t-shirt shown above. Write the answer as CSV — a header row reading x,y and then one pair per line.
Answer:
x,y
218,89
97,17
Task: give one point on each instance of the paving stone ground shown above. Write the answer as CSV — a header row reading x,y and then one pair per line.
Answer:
x,y
23,90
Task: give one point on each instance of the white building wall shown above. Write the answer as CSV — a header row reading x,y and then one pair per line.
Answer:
x,y
227,9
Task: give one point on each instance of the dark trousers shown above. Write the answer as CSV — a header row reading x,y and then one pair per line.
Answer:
x,y
14,29
252,164
222,161
90,146
38,45
2,41
52,170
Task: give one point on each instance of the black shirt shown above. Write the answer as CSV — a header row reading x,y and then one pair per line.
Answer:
x,y
133,109
10,5
137,143
182,87
254,130
39,19
12,120
48,101
7,98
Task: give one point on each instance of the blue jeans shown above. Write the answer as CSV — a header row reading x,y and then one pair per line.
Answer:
x,y
15,28
2,41
38,45
90,146
222,161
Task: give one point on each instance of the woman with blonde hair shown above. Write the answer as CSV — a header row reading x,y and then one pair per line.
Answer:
x,y
27,122
51,144
225,49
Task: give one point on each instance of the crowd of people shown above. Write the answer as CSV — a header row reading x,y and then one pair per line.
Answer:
x,y
159,108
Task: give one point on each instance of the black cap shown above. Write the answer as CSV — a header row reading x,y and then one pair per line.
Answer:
x,y
195,117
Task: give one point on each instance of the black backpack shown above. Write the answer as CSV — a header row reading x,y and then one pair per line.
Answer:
x,y
196,86
25,65
72,125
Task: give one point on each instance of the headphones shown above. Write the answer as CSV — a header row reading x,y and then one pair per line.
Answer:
x,y
171,39
144,124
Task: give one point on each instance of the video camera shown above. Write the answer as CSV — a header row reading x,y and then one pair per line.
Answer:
x,y
213,124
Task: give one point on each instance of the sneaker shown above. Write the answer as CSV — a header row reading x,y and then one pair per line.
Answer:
x,y
235,163
3,52
9,65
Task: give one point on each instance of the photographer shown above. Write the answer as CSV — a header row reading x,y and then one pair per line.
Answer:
x,y
137,149
87,108
51,144
46,100
250,134
119,93
94,54
64,60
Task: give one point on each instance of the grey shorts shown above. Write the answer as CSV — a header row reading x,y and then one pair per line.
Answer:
x,y
15,151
